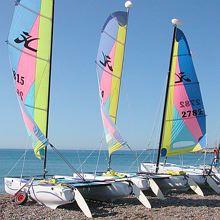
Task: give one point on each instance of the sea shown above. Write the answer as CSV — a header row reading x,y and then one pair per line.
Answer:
x,y
18,162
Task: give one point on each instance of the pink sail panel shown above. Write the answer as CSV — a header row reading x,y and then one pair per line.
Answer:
x,y
180,95
27,66
106,79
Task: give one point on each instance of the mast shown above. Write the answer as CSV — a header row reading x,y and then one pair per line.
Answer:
x,y
48,103
128,5
175,22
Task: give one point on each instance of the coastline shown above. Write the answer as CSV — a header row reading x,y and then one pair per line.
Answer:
x,y
176,206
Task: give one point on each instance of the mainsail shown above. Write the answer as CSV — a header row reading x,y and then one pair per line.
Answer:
x,y
109,64
184,125
29,44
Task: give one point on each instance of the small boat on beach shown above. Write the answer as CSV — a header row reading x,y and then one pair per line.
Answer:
x,y
30,44
183,127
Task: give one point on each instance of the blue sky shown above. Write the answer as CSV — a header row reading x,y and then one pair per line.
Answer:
x,y
75,121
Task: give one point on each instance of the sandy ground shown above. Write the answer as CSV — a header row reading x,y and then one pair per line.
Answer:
x,y
176,206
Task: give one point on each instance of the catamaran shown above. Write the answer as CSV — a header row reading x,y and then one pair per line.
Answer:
x,y
183,127
30,44
109,64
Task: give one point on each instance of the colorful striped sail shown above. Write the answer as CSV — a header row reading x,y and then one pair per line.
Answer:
x,y
109,64
29,44
185,123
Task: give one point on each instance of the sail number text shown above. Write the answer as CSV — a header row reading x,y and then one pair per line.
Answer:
x,y
19,79
196,105
192,102
193,113
20,94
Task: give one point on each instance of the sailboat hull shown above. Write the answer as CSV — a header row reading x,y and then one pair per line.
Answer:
x,y
103,188
196,173
172,184
54,195
166,181
50,195
12,185
108,192
121,189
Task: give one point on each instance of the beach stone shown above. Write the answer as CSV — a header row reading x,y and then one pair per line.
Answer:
x,y
176,206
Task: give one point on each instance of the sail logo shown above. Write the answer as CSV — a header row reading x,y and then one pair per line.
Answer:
x,y
182,78
26,39
106,62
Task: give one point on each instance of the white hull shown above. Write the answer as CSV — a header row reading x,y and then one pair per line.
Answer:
x,y
196,173
12,185
165,182
109,188
173,184
49,195
109,192
115,188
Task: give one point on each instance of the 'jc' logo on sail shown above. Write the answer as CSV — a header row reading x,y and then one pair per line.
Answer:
x,y
27,39
182,77
107,61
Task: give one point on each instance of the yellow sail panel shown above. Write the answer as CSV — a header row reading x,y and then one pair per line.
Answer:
x,y
43,65
115,147
166,141
117,71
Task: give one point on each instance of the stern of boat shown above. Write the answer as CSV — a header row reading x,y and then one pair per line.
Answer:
x,y
13,184
51,195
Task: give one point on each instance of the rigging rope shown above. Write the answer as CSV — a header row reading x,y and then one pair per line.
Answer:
x,y
16,163
25,153
86,159
67,162
79,162
100,147
22,170
153,131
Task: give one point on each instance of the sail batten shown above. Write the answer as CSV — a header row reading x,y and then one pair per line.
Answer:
x,y
29,44
109,72
40,58
109,65
34,12
184,128
115,39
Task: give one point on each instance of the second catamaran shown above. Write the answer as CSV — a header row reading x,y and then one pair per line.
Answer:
x,y
183,127
109,65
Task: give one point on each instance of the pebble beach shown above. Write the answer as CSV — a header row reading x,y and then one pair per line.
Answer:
x,y
176,206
